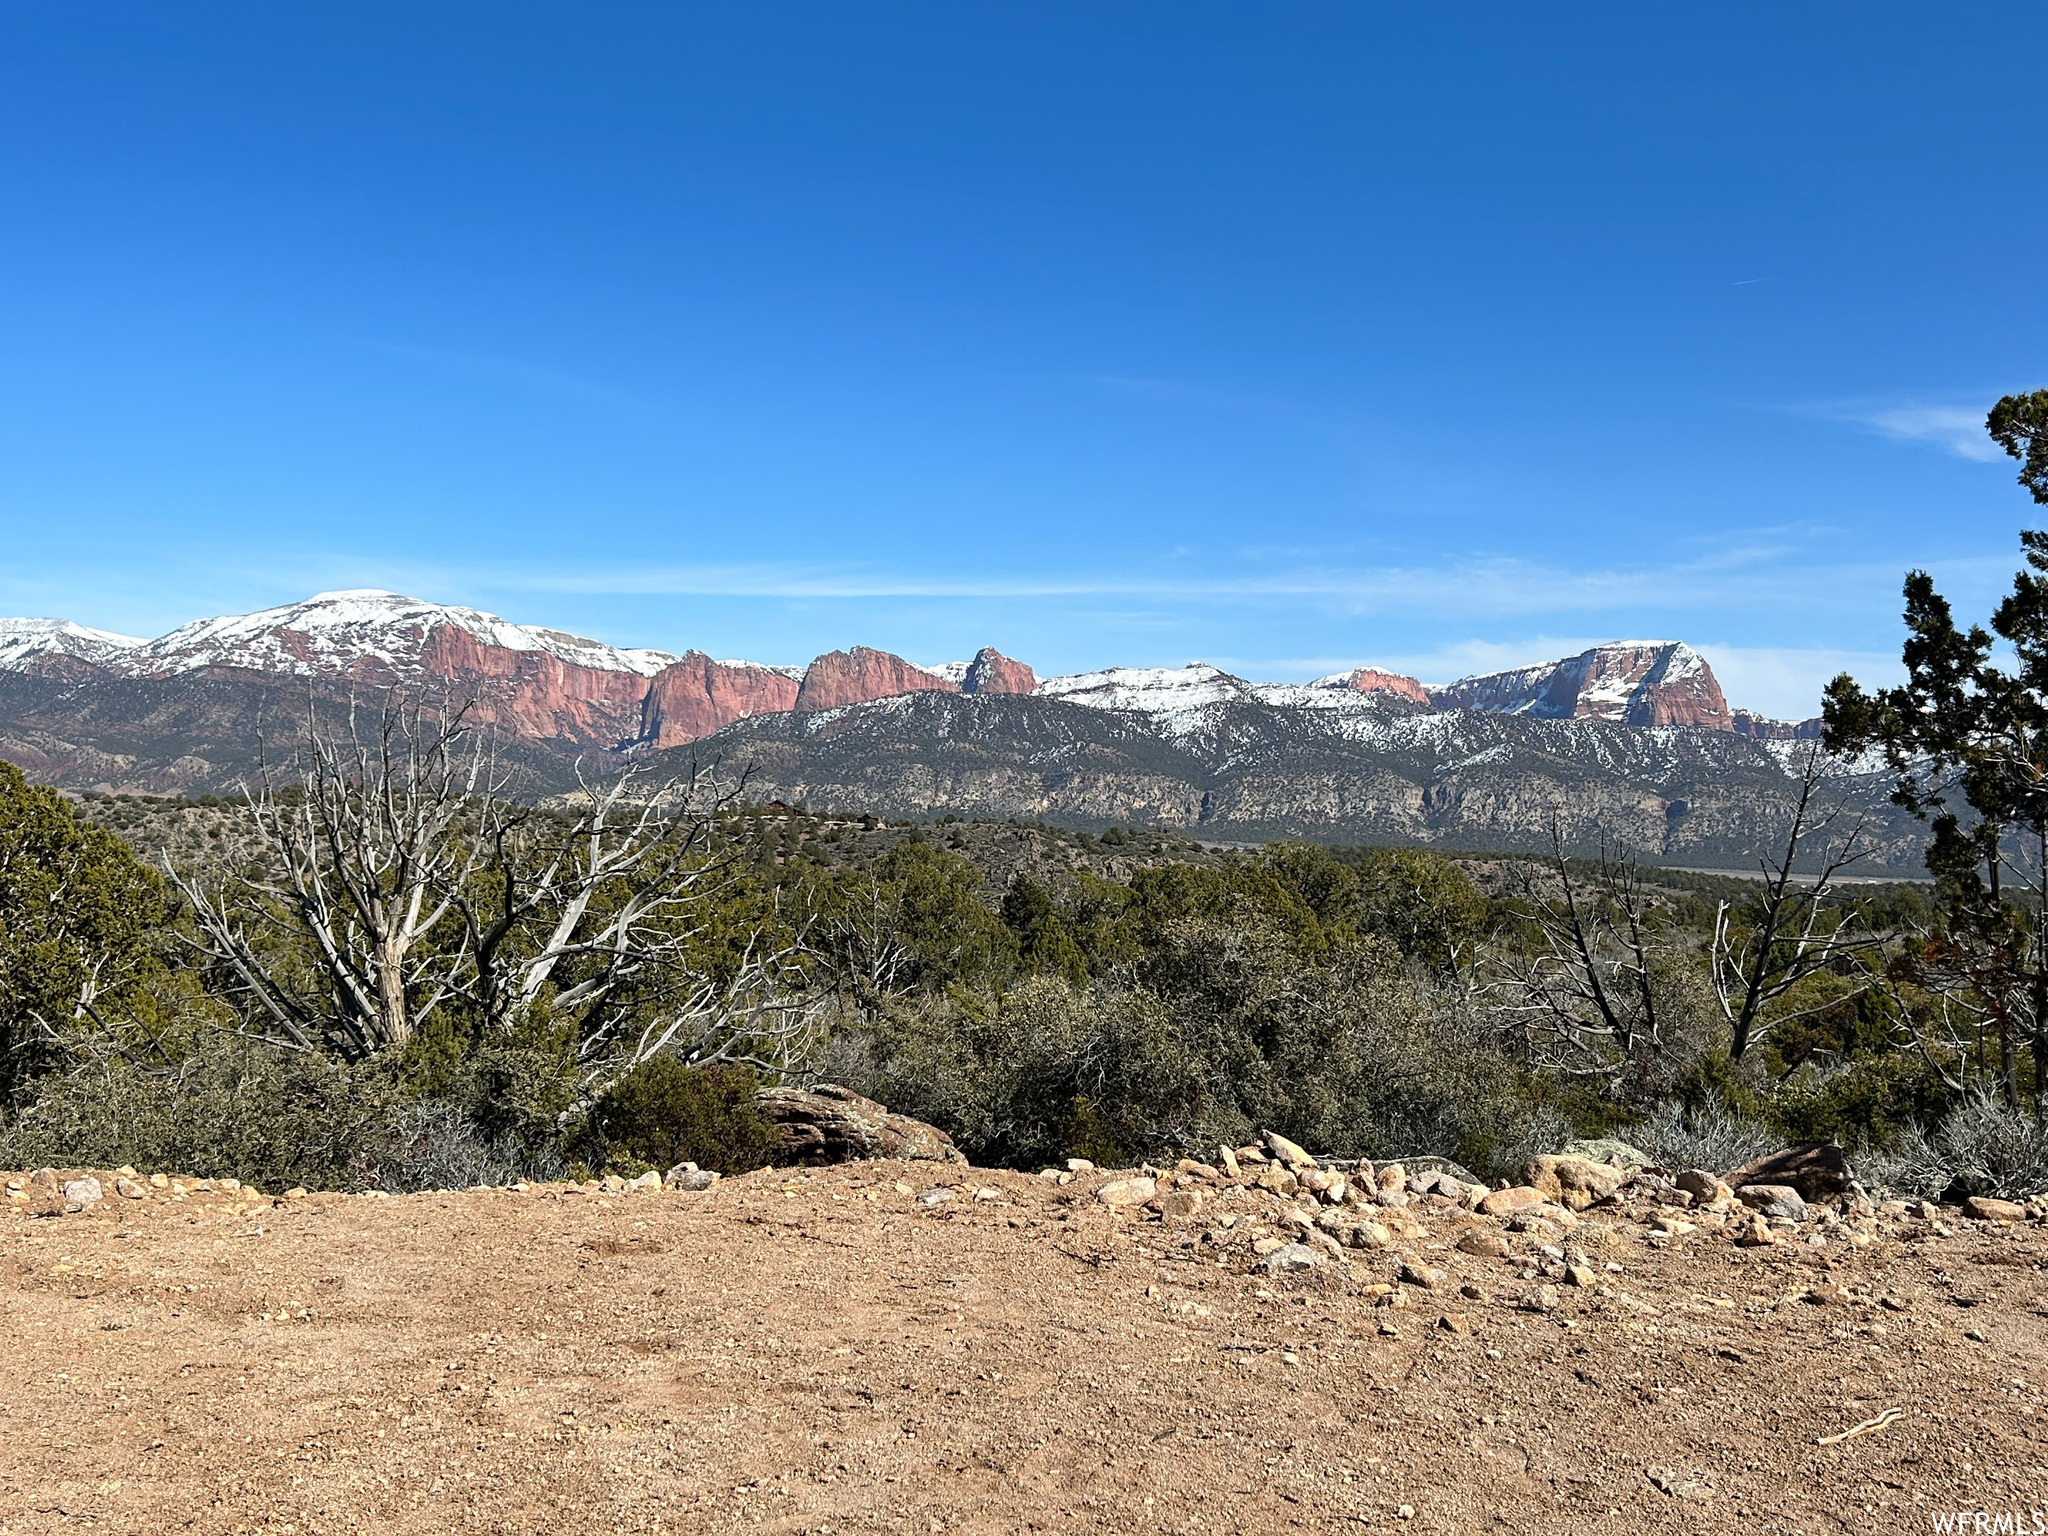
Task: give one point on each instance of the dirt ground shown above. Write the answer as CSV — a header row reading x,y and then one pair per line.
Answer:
x,y
817,1352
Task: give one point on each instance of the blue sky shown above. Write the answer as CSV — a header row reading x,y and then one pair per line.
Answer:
x,y
1284,337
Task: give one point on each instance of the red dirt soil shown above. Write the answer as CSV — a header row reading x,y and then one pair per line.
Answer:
x,y
814,1352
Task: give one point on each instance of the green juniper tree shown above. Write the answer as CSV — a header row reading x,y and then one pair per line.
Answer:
x,y
1967,738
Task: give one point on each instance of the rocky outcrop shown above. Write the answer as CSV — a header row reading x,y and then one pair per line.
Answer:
x,y
1373,680
993,672
1819,1172
697,696
1762,728
1631,683
530,693
860,676
831,1124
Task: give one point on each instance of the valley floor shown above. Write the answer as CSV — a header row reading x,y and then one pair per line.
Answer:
x,y
817,1352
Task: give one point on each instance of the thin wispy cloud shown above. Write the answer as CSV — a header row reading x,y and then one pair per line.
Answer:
x,y
1954,429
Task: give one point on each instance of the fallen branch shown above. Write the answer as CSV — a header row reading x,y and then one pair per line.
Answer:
x,y
1867,1425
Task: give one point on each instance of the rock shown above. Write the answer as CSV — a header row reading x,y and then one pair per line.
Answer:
x,y
83,1191
612,1184
128,1189
1984,1208
1450,1322
689,1179
931,1199
1290,1258
299,1191
1486,1244
1277,1179
1773,1200
1756,1233
1706,1188
1374,680
1125,1192
1505,1202
44,1181
1672,1226
1392,1179
1619,1154
1542,1299
1818,1172
1573,1182
1228,1157
831,1124
1422,1275
1320,1181
1581,1276
1286,1151
159,1181
1079,1165
1471,1292
1181,1203
648,1181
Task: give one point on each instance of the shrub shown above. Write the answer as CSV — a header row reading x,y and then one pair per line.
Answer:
x,y
434,1144
666,1112
1706,1135
265,1117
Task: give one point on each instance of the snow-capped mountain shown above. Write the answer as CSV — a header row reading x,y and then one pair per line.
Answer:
x,y
362,634
28,644
1631,682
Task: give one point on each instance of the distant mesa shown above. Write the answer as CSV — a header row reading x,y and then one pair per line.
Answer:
x,y
1373,680
993,672
697,697
861,675
1757,727
1633,682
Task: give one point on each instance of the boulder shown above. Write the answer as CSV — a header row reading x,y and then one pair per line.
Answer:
x,y
1289,1259
1505,1202
831,1124
1573,1182
1773,1200
1486,1244
83,1191
1288,1152
1819,1172
1122,1192
1984,1208
1707,1189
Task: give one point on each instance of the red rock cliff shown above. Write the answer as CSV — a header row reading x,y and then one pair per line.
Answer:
x,y
532,693
1655,683
993,672
696,696
1373,680
858,675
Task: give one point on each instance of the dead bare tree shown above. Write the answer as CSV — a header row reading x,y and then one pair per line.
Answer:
x,y
1587,998
1760,952
405,882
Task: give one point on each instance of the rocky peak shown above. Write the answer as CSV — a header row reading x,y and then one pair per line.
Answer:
x,y
993,672
860,675
696,696
1632,682
1373,680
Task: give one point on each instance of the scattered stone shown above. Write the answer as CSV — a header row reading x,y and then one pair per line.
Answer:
x,y
830,1124
1984,1208
1180,1203
1290,1258
648,1181
1422,1275
1486,1244
158,1181
1392,1179
1471,1292
1672,1226
690,1179
931,1199
1580,1276
1387,1330
1079,1165
1286,1151
1706,1189
1321,1181
1505,1202
299,1191
1277,1179
1780,1200
83,1191
1120,1192
1818,1172
44,1181
1450,1322
1756,1234
128,1189
1229,1160
1542,1299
